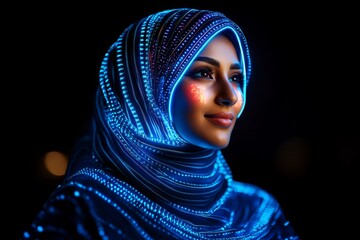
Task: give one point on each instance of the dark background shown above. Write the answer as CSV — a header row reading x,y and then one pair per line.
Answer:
x,y
298,137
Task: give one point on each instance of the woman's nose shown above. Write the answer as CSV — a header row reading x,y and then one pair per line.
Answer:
x,y
227,95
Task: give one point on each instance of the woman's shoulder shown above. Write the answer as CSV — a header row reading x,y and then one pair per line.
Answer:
x,y
76,208
261,210
250,189
254,195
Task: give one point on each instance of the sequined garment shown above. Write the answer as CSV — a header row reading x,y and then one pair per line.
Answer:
x,y
132,176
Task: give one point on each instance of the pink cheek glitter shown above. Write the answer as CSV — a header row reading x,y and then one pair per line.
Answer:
x,y
193,94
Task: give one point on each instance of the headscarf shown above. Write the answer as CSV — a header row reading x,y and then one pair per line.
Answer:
x,y
133,130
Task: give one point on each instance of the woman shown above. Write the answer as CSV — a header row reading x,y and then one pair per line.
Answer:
x,y
150,167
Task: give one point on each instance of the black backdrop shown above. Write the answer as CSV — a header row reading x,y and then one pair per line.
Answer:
x,y
298,136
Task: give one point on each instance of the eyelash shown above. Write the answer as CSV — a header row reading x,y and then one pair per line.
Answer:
x,y
204,72
208,73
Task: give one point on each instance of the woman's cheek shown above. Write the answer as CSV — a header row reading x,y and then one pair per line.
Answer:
x,y
240,103
193,94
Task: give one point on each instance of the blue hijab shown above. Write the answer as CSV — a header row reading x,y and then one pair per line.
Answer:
x,y
132,176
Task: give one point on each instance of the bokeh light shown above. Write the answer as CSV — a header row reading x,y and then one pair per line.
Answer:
x,y
55,163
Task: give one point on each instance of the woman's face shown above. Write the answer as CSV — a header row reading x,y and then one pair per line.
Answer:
x,y
209,98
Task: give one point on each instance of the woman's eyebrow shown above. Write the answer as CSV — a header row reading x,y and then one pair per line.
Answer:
x,y
216,63
211,61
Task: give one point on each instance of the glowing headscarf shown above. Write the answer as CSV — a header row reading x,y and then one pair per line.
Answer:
x,y
134,131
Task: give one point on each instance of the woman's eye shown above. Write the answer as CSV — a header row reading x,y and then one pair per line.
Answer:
x,y
202,73
237,78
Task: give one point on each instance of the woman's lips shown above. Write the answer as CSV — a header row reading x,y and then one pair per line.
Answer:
x,y
221,119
